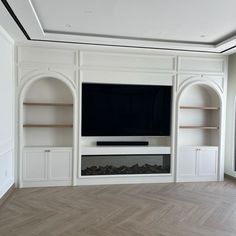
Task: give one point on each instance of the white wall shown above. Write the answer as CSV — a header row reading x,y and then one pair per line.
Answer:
x,y
231,118
7,112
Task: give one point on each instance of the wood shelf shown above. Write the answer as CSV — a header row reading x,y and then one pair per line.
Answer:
x,y
200,107
198,127
48,125
46,104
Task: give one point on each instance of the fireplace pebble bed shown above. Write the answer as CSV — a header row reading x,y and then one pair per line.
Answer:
x,y
124,170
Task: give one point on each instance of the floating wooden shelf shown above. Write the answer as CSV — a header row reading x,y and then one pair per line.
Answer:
x,y
48,125
199,107
198,127
46,104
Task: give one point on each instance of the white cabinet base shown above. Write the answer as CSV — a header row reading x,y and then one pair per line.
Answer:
x,y
32,184
197,164
197,179
43,166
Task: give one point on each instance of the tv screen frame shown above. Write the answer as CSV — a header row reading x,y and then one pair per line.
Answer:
x,y
123,88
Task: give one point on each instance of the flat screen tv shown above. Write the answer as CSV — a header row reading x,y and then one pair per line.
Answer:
x,y
125,110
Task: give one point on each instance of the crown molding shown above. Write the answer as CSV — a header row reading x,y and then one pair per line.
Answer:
x,y
28,20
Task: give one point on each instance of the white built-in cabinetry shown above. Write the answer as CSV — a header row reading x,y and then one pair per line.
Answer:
x,y
198,163
47,166
199,116
49,87
47,135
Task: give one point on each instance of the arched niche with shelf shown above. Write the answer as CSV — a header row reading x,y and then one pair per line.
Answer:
x,y
199,116
47,124
199,138
48,114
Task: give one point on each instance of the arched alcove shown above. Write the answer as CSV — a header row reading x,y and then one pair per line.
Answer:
x,y
47,124
199,116
199,140
48,114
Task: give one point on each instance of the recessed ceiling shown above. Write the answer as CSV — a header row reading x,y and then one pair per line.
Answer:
x,y
201,25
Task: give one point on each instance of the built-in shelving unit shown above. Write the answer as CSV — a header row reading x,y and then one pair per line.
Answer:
x,y
48,114
198,135
199,111
48,125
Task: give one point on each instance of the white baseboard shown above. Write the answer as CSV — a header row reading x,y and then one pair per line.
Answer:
x,y
32,184
125,180
7,193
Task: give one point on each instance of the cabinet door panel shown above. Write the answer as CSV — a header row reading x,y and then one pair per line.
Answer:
x,y
60,165
34,165
187,162
207,162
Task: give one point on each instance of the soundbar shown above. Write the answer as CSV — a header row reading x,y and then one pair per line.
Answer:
x,y
122,143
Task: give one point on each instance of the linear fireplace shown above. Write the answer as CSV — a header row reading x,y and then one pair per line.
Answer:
x,y
125,164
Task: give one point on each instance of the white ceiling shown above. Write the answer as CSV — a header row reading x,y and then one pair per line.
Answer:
x,y
181,20
206,25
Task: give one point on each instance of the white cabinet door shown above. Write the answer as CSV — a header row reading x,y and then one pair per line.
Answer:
x,y
187,162
207,162
47,166
34,165
59,164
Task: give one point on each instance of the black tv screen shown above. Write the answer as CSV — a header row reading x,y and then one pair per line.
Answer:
x,y
125,110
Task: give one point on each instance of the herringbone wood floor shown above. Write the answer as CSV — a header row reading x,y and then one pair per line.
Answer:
x,y
187,209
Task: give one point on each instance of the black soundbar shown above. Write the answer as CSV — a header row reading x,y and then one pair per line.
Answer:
x,y
122,143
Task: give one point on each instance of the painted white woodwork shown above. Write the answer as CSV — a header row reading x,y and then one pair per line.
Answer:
x,y
29,70
154,141
201,65
128,61
25,71
34,165
53,143
120,77
114,150
197,79
186,78
54,91
207,162
187,162
53,56
59,166
198,164
7,116
230,141
200,96
210,155
42,166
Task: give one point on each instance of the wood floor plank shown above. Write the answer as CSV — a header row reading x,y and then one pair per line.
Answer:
x,y
183,209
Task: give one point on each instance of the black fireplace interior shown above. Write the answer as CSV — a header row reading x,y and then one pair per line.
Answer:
x,y
125,164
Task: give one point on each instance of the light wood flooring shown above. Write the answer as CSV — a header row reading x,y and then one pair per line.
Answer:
x,y
183,209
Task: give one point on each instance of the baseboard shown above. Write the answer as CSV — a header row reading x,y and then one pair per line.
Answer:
x,y
7,195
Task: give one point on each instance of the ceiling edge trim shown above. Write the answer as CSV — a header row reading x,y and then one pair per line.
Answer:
x,y
123,46
221,48
11,12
